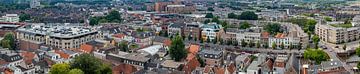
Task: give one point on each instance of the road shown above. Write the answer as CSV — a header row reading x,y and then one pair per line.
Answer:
x,y
334,57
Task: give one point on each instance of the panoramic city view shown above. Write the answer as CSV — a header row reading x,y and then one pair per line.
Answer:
x,y
179,36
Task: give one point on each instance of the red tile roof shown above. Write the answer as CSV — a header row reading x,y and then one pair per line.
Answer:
x,y
265,34
194,49
86,48
28,56
3,62
191,65
124,69
219,70
231,68
207,69
167,42
119,35
280,35
190,56
8,71
62,54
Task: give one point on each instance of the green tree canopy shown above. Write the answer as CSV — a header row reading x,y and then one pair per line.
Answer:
x,y
8,41
308,25
177,49
89,64
232,15
273,28
357,51
75,71
244,25
123,46
209,15
61,68
24,17
316,40
316,55
210,9
113,15
248,15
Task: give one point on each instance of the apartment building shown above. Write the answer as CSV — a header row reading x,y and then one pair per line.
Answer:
x,y
211,31
251,34
193,30
331,34
12,18
59,35
182,9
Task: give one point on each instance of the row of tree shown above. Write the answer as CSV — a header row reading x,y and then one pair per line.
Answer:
x,y
82,64
113,17
247,15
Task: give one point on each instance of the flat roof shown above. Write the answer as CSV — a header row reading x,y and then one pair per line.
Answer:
x,y
60,30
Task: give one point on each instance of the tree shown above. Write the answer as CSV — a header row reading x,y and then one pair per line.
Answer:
x,y
328,19
61,68
75,71
201,61
8,41
308,25
232,15
357,51
201,40
229,42
207,21
316,40
24,17
358,65
130,8
177,49
216,20
210,9
209,15
347,21
89,64
224,24
93,21
113,15
244,25
344,47
273,45
316,55
208,39
235,43
273,28
291,46
123,46
282,46
251,43
243,43
258,44
248,15
189,37
215,40
221,41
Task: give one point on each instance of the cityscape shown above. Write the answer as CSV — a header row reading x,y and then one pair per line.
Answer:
x,y
179,36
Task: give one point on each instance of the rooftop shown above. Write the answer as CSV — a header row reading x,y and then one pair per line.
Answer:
x,y
60,30
342,25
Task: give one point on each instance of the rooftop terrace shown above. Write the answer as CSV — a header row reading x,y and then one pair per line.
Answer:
x,y
61,30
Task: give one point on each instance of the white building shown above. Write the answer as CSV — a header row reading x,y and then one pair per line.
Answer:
x,y
210,30
35,4
253,34
13,18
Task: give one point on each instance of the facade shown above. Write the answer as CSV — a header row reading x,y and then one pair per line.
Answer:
x,y
211,31
160,6
182,9
64,36
129,58
12,18
332,34
175,28
253,34
193,30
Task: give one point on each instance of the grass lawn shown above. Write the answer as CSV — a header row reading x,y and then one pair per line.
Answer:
x,y
342,25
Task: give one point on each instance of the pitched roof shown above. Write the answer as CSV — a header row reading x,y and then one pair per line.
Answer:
x,y
86,48
124,69
207,69
167,42
280,35
194,49
219,70
28,56
62,54
191,65
265,34
119,35
231,68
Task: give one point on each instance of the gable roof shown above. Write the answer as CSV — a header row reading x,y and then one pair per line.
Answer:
x,y
194,49
62,54
191,65
86,48
231,68
124,69
219,70
167,42
119,35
